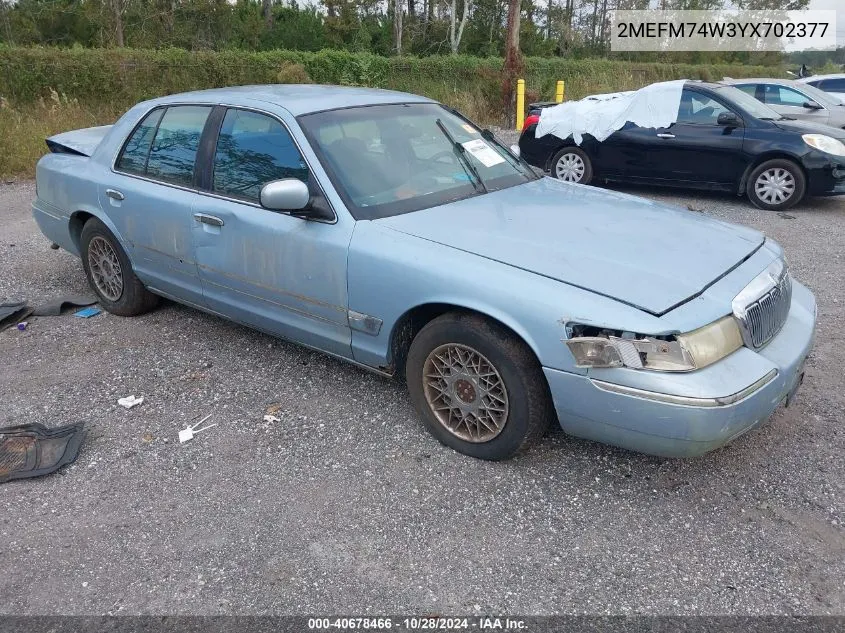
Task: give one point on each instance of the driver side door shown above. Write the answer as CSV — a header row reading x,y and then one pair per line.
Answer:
x,y
271,270
697,150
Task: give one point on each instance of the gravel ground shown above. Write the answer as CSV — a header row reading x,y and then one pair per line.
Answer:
x,y
348,505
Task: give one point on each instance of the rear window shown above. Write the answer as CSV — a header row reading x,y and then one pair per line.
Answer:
x,y
164,145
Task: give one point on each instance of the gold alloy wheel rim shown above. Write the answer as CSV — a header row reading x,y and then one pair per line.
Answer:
x,y
105,268
465,392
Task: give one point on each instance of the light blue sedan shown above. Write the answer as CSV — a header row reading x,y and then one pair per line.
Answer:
x,y
387,230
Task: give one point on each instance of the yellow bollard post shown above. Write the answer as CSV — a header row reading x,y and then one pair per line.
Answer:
x,y
520,104
559,92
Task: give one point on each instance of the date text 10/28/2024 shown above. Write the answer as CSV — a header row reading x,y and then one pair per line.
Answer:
x,y
422,623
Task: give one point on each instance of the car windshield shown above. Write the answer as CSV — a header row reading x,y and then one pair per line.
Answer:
x,y
391,159
748,103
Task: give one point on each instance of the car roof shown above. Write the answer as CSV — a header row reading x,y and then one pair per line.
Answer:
x,y
298,98
819,77
756,80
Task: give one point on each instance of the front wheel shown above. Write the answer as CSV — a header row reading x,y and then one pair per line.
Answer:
x,y
479,388
110,273
776,185
571,164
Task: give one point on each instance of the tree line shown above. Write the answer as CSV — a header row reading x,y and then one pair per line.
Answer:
x,y
510,28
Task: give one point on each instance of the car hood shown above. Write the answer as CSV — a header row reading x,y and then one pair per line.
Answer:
x,y
808,127
646,254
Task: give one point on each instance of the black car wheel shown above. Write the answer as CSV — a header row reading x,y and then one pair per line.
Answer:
x,y
571,164
479,389
776,185
110,273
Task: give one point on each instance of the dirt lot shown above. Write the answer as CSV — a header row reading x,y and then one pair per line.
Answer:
x,y
348,505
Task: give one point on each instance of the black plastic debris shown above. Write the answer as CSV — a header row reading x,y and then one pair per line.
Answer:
x,y
55,306
32,450
11,313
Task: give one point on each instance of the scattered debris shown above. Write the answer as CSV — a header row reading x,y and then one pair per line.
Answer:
x,y
270,419
14,312
32,450
187,434
87,313
273,409
696,209
54,307
130,401
786,216
22,325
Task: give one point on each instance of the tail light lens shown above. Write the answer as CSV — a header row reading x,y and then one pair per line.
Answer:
x,y
531,119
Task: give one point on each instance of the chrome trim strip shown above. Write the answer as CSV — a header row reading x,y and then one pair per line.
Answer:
x,y
685,401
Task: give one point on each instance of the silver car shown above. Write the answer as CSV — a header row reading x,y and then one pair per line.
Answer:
x,y
834,84
794,100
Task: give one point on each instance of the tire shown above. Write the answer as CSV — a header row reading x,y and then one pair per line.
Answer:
x,y
773,179
516,390
112,278
571,164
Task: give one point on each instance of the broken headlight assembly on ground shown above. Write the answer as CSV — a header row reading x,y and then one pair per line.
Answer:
x,y
597,347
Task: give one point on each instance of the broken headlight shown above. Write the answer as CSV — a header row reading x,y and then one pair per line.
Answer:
x,y
595,347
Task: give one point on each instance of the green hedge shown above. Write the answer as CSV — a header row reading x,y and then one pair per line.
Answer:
x,y
125,76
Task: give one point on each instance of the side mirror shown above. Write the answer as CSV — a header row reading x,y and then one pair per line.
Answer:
x,y
812,105
729,119
288,194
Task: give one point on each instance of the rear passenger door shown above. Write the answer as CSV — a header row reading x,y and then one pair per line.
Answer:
x,y
269,269
149,196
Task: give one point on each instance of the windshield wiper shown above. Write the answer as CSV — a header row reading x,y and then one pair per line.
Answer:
x,y
460,153
517,161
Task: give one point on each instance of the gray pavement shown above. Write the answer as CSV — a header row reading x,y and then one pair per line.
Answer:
x,y
348,505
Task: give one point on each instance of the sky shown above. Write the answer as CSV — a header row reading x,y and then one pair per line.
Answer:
x,y
839,6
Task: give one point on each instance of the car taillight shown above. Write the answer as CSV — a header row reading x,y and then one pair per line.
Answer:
x,y
531,119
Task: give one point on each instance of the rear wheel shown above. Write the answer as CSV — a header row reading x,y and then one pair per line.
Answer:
x,y
776,185
571,164
479,389
110,273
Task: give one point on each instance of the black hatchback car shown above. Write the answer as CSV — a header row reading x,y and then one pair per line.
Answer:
x,y
723,140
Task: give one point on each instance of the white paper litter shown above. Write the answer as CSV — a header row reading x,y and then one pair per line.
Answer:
x,y
130,401
655,106
270,418
485,154
187,434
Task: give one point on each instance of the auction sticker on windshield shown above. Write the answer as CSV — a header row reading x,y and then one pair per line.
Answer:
x,y
485,154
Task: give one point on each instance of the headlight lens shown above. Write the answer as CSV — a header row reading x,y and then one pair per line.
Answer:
x,y
686,352
825,143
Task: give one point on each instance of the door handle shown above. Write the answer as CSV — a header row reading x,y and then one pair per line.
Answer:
x,y
664,135
208,219
115,194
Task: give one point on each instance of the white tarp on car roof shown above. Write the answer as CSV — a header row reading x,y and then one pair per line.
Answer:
x,y
654,106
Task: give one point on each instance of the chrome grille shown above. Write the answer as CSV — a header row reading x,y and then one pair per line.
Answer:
x,y
761,319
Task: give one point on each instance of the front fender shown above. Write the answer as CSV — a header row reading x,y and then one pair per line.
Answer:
x,y
390,273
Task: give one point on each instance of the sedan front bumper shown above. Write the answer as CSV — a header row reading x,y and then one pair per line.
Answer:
x,y
689,420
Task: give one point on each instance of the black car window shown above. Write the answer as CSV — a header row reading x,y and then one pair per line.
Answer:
x,y
133,158
252,150
834,85
699,109
176,142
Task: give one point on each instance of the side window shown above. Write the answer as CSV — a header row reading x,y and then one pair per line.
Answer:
x,y
781,95
174,149
699,109
834,85
133,158
749,89
252,150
